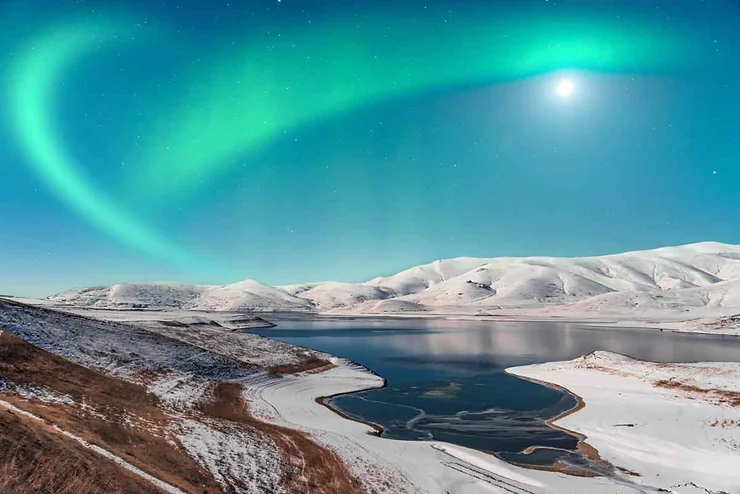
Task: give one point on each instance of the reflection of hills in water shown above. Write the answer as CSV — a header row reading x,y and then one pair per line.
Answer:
x,y
523,343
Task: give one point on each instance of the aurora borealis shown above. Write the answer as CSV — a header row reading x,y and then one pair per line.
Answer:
x,y
32,103
245,98
294,139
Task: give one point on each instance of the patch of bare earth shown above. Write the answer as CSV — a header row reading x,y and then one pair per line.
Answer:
x,y
587,364
725,423
723,323
118,416
310,467
723,396
311,364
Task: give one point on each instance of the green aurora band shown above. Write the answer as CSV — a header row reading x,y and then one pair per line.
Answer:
x,y
34,87
246,98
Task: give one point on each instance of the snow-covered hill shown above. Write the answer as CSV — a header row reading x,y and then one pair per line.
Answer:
x,y
689,273
245,295
333,294
703,275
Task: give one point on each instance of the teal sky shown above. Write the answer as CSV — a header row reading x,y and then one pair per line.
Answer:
x,y
306,140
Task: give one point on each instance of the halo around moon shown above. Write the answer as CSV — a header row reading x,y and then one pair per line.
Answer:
x,y
565,88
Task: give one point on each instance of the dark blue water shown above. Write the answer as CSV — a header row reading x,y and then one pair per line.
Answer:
x,y
446,379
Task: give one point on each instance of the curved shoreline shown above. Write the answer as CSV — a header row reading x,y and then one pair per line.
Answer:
x,y
590,463
654,435
580,404
410,466
324,400
589,451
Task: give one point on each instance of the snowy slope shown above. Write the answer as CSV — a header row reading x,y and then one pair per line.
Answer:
x,y
245,295
703,275
335,294
657,400
697,275
420,278
725,294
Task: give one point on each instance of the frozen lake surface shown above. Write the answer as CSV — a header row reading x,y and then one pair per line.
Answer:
x,y
446,379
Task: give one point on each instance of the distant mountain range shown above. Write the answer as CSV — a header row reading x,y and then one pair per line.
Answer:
x,y
702,275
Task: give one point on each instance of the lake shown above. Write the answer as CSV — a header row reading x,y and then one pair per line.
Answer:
x,y
446,379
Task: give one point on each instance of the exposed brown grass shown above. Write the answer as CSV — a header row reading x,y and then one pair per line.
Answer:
x,y
124,419
585,364
725,423
119,416
312,364
35,459
723,396
311,468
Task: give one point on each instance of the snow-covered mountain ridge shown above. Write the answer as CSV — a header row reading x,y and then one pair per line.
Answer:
x,y
698,275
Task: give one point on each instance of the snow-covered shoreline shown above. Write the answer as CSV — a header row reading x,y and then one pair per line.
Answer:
x,y
711,322
392,466
676,426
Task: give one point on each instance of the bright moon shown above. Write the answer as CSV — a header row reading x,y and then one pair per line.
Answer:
x,y
565,87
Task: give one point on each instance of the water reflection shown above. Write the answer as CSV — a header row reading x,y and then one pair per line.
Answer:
x,y
534,341
446,379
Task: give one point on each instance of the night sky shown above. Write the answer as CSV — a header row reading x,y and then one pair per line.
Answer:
x,y
305,140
